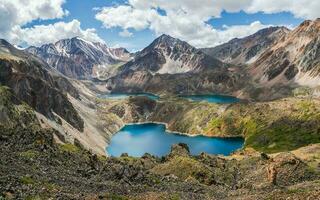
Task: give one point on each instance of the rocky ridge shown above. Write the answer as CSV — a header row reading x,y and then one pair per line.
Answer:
x,y
246,50
40,86
78,58
292,60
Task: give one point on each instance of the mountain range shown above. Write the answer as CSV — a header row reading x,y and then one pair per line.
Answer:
x,y
271,57
78,58
266,65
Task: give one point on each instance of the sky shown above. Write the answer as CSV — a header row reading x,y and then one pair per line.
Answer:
x,y
134,24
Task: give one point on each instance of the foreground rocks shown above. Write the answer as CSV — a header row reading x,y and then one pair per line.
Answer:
x,y
33,166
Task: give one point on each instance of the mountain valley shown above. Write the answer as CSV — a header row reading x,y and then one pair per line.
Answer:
x,y
55,127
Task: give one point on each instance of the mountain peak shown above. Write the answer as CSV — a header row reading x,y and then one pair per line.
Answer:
x,y
79,58
166,39
169,55
309,25
4,42
78,38
165,36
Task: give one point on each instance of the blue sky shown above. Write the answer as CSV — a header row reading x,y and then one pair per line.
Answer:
x,y
225,22
84,11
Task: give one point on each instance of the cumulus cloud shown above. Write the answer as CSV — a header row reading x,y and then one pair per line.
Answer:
x,y
126,17
14,14
23,11
43,34
125,33
187,19
306,9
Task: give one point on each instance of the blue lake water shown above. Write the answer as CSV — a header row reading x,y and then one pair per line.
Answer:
x,y
116,96
138,139
212,98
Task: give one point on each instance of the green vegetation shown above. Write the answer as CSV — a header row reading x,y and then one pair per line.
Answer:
x,y
185,168
273,127
13,112
302,91
30,154
116,197
37,197
70,148
185,116
27,180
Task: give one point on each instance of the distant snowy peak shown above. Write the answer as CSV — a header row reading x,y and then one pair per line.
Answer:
x,y
77,57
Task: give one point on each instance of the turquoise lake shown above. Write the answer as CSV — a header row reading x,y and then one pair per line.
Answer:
x,y
138,139
211,98
116,96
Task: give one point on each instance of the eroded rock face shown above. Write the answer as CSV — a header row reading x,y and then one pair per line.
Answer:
x,y
292,59
34,83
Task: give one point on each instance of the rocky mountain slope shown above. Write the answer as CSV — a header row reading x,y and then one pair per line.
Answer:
x,y
246,50
44,169
278,61
292,60
168,55
169,65
78,58
37,84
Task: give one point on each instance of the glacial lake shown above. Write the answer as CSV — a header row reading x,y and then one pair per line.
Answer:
x,y
211,98
137,139
115,96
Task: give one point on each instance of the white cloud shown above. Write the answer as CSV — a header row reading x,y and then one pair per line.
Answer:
x,y
21,12
14,14
125,33
43,34
126,17
187,19
306,9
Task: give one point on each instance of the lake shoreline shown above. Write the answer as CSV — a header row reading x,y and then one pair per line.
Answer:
x,y
179,133
200,143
